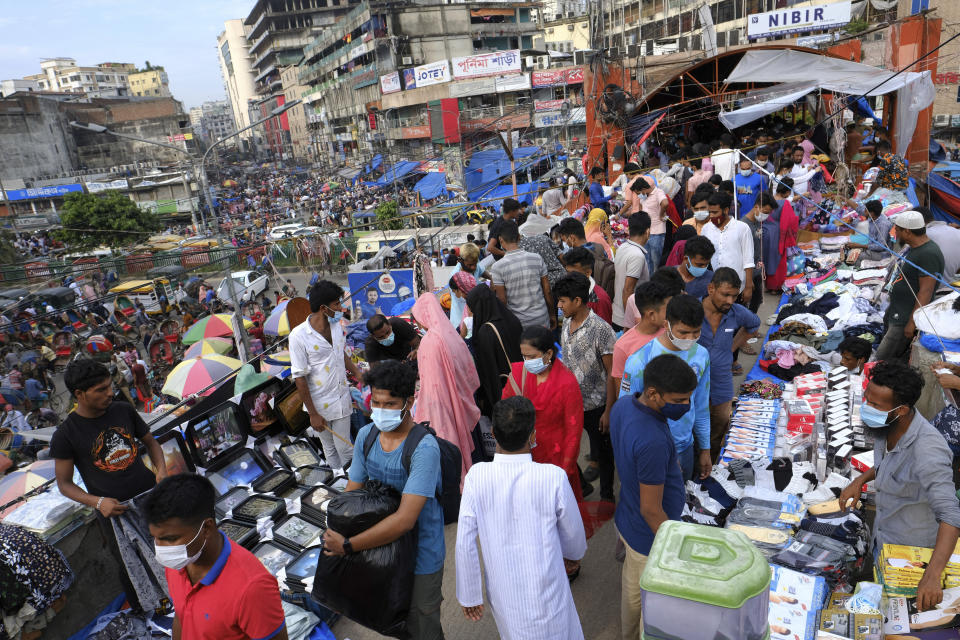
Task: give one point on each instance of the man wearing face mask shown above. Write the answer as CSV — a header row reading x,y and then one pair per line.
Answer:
x,y
700,176
404,455
654,202
220,591
748,184
651,487
911,475
319,364
732,240
390,339
691,431
695,266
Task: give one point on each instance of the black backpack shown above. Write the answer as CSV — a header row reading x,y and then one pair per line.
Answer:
x,y
451,462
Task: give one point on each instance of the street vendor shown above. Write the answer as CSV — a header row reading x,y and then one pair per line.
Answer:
x,y
911,475
390,339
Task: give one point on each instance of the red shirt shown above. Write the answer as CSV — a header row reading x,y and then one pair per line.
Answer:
x,y
237,599
600,304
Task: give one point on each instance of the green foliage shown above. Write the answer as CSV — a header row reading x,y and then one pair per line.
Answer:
x,y
92,220
387,213
856,26
8,252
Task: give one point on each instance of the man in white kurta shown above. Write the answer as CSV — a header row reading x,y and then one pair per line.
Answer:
x,y
526,519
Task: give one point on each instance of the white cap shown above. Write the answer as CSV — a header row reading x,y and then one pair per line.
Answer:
x,y
909,220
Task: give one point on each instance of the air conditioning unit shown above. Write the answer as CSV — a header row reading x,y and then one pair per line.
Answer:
x,y
417,60
570,27
529,62
941,120
580,57
614,52
633,51
407,60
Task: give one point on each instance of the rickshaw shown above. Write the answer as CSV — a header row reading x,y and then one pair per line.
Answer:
x,y
99,348
57,297
46,330
74,319
125,305
64,345
161,353
125,327
170,330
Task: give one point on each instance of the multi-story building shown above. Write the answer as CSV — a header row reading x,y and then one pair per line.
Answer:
x,y
196,120
151,82
105,80
8,87
300,141
216,120
946,106
279,30
233,51
405,76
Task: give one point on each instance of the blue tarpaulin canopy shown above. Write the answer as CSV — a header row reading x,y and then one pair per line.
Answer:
x,y
365,214
432,185
374,164
526,193
397,171
488,168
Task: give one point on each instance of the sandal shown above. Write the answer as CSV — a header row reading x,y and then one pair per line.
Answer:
x,y
737,369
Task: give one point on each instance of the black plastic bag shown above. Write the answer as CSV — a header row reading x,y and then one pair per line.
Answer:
x,y
371,587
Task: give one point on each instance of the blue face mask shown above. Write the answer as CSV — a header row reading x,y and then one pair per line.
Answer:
x,y
535,365
696,272
674,411
388,340
387,419
875,418
337,315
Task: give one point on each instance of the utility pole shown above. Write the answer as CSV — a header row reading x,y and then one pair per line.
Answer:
x,y
508,148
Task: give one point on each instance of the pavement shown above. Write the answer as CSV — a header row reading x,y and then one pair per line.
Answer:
x,y
596,592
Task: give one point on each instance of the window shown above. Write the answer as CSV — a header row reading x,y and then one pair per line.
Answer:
x,y
725,11
721,38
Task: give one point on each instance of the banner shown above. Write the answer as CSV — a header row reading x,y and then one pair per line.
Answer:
x,y
97,187
426,75
547,105
487,64
390,83
709,32
513,82
368,298
578,115
476,87
43,192
785,21
557,77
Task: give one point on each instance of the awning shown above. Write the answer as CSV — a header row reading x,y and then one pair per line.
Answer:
x,y
432,185
765,101
640,127
348,173
374,164
944,197
396,172
526,193
483,13
915,91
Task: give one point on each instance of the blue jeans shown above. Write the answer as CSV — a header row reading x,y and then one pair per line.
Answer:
x,y
687,461
654,251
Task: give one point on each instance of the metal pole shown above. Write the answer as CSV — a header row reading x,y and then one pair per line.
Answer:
x,y
189,194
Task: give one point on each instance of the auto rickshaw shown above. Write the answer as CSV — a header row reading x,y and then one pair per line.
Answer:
x,y
161,353
155,295
170,330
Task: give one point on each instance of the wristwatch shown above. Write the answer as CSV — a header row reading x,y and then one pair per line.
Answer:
x,y
347,546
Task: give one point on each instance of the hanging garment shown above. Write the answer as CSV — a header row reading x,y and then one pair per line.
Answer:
x,y
139,560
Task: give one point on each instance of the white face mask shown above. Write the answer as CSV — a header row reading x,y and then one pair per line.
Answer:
x,y
701,215
175,556
746,173
684,344
762,216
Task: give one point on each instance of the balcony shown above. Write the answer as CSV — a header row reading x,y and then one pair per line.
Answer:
x,y
270,69
356,17
263,56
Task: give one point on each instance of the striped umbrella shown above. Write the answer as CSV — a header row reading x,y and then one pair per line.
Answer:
x,y
190,376
277,364
219,324
278,324
98,344
208,346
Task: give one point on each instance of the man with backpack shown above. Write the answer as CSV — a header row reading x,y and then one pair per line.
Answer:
x,y
406,456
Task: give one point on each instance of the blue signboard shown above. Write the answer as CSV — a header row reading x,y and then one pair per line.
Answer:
x,y
374,292
43,192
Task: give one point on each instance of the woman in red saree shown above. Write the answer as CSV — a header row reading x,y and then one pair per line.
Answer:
x,y
779,233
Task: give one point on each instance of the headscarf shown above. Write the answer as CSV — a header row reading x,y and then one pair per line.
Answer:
x,y
487,307
448,379
779,234
492,362
593,229
465,282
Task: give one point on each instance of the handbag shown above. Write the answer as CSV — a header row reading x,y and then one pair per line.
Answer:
x,y
517,390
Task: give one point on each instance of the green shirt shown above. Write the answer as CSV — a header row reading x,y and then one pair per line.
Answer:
x,y
906,282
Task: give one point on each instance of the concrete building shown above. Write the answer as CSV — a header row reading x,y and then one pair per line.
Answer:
x,y
35,137
946,106
216,120
151,82
105,80
300,140
8,87
238,77
402,76
196,120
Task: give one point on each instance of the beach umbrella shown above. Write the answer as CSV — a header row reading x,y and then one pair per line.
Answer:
x,y
277,324
277,364
98,344
15,484
216,325
208,346
230,183
190,376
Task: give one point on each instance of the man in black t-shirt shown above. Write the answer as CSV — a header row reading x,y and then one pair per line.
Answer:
x,y
511,211
100,438
392,339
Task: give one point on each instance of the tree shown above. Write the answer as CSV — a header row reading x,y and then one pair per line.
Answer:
x,y
8,252
387,213
110,219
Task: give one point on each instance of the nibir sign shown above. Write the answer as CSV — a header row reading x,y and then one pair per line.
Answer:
x,y
797,20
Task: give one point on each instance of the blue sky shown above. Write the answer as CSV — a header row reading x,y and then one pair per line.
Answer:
x,y
179,35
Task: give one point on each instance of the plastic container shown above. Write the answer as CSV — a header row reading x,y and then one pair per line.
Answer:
x,y
703,583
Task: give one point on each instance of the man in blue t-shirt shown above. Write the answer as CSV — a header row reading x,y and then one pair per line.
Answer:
x,y
392,385
684,322
651,483
748,185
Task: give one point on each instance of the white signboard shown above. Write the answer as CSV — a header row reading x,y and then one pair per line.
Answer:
x,y
390,83
487,64
513,82
431,73
796,20
97,187
578,115
476,87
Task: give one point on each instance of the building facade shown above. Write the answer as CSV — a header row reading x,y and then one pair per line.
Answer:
x,y
105,80
233,51
216,120
300,141
196,120
8,87
151,82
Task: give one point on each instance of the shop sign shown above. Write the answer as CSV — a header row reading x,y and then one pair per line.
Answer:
x,y
416,131
487,64
557,77
946,78
955,120
515,121
426,75
578,115
390,83
547,105
784,21
472,87
43,192
512,82
180,137
432,166
97,187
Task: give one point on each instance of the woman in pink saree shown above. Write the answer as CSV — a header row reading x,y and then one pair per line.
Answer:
x,y
448,379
